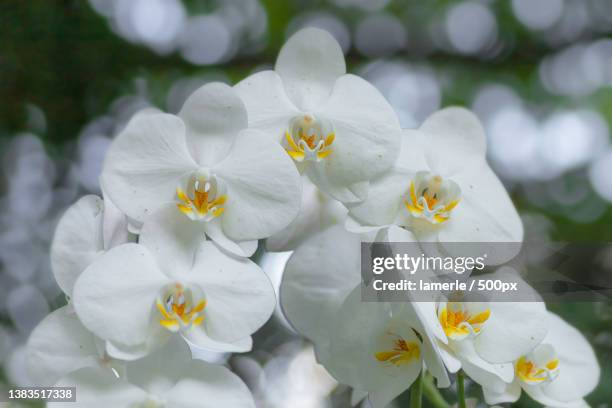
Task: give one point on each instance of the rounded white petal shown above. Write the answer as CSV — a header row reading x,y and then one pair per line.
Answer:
x,y
309,63
579,370
269,109
77,241
512,330
318,277
115,296
100,388
239,296
454,140
263,188
172,238
485,214
145,164
59,345
367,132
213,115
204,385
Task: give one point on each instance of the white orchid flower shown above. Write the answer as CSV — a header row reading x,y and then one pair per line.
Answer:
x,y
484,337
136,295
442,189
558,373
166,378
60,344
381,348
337,127
233,183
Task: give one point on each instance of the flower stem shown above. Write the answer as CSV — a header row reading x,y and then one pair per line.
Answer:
x,y
461,388
433,394
416,392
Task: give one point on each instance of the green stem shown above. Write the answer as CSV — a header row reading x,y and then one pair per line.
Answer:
x,y
416,392
461,388
433,394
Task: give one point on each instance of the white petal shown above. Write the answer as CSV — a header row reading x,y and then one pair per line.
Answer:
x,y
158,372
269,109
99,388
263,188
512,330
114,225
200,339
454,141
240,298
485,214
309,63
367,132
384,201
318,277
77,241
59,345
213,115
579,371
205,385
488,375
145,164
172,238
115,296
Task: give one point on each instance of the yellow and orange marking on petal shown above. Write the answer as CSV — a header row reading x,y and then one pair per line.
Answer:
x,y
203,204
306,140
178,311
431,197
530,373
403,352
458,323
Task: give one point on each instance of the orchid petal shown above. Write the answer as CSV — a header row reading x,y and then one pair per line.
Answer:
x,y
213,115
145,163
309,63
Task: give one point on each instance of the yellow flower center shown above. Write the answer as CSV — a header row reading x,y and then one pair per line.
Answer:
x,y
539,366
202,201
458,322
432,198
309,139
403,352
179,309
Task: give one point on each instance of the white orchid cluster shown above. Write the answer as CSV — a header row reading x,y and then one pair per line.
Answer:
x,y
309,158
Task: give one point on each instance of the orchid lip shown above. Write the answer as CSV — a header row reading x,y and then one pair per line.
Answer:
x,y
432,198
181,307
309,138
203,199
458,322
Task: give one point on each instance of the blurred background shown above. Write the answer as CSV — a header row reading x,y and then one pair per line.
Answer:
x,y
72,72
